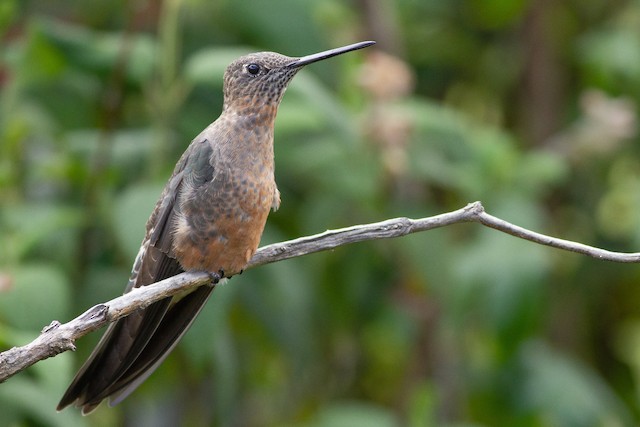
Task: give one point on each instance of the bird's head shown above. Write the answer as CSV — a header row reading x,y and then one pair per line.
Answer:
x,y
259,80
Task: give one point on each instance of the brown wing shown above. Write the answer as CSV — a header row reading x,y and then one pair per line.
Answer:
x,y
134,346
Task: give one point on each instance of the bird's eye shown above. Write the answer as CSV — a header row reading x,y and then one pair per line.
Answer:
x,y
253,69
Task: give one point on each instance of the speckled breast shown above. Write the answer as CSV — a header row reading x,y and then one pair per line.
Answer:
x,y
219,224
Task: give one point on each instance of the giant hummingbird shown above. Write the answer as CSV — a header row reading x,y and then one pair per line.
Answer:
x,y
210,217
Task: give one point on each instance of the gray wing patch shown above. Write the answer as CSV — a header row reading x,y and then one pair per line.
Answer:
x,y
199,169
160,235
195,170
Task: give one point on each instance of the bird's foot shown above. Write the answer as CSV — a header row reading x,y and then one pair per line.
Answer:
x,y
216,276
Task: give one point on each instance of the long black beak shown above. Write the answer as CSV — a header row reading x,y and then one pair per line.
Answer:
x,y
328,54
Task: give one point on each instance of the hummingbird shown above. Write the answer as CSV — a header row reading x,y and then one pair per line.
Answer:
x,y
210,217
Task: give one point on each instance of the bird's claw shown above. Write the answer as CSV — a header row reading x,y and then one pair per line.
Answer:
x,y
216,276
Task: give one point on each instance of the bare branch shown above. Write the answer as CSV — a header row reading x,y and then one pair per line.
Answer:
x,y
57,338
567,245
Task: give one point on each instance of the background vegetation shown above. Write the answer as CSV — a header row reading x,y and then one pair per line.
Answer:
x,y
527,105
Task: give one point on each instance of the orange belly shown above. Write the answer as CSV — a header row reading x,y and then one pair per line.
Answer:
x,y
229,252
222,237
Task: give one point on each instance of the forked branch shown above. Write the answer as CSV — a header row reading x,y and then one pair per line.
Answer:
x,y
57,338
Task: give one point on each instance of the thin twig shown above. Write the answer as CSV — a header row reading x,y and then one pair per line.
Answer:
x,y
57,338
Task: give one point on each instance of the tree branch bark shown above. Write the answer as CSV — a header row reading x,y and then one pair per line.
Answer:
x,y
57,338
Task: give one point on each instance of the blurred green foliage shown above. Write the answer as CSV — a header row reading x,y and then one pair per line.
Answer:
x,y
528,106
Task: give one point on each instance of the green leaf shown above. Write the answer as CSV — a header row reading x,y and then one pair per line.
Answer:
x,y
354,414
30,225
38,294
27,399
567,393
206,66
131,210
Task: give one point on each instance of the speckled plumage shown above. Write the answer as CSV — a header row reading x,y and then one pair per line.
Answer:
x,y
210,217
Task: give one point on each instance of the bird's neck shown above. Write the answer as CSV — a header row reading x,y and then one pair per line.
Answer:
x,y
251,110
252,144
